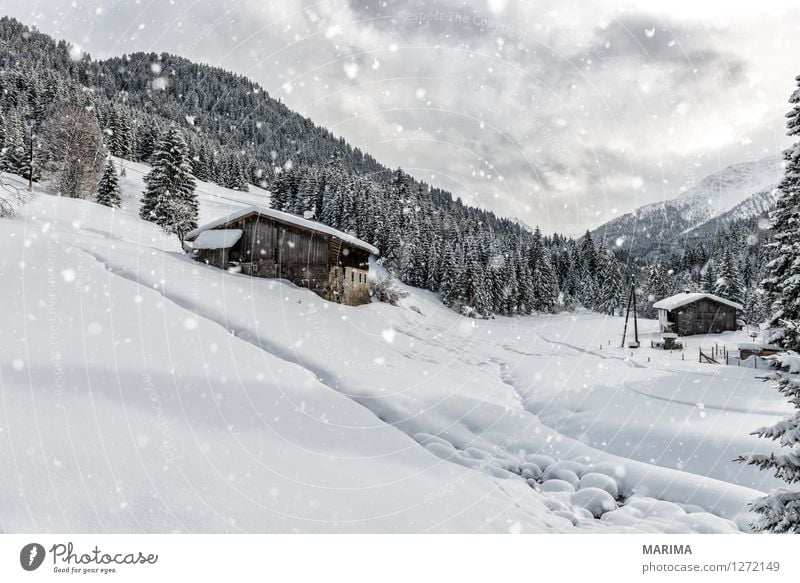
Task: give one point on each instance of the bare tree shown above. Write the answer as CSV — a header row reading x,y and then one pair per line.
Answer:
x,y
75,151
11,197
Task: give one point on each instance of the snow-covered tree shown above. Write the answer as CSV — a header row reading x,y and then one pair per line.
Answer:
x,y
657,288
14,155
108,192
119,133
729,279
611,288
779,511
169,199
75,151
782,280
709,277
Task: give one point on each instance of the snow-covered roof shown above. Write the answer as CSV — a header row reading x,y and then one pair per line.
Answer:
x,y
682,299
217,239
284,218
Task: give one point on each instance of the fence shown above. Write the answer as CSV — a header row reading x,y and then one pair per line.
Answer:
x,y
721,355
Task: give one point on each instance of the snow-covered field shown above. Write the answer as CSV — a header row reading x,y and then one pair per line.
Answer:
x,y
142,391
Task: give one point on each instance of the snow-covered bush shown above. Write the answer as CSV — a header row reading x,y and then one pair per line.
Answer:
x,y
386,291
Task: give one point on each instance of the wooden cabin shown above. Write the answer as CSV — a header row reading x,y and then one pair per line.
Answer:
x,y
263,242
691,313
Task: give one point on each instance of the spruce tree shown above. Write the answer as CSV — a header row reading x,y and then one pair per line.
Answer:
x,y
779,511
782,282
108,192
709,277
169,199
14,155
729,280
611,290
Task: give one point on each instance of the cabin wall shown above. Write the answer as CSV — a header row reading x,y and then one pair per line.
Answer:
x,y
704,317
215,257
308,259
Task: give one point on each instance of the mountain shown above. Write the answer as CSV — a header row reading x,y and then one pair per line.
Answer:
x,y
238,136
756,205
738,191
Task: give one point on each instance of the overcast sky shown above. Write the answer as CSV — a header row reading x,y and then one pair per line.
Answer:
x,y
560,114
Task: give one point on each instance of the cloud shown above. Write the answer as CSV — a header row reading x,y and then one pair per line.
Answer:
x,y
558,114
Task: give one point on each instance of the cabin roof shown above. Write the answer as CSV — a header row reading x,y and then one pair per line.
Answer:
x,y
678,300
288,219
217,239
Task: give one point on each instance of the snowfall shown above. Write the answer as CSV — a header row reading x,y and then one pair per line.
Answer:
x,y
145,392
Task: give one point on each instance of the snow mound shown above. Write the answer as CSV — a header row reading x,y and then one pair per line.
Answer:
x,y
601,481
594,500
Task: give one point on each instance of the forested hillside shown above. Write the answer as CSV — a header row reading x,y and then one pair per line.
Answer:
x,y
233,133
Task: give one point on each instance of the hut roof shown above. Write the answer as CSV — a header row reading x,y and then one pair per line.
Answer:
x,y
217,239
678,300
288,219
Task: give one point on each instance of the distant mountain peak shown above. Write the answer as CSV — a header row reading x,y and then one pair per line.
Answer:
x,y
736,191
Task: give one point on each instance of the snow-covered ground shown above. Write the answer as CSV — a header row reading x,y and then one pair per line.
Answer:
x,y
142,391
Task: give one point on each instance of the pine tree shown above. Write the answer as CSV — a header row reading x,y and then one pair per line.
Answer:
x,y
108,192
120,134
451,266
709,277
283,191
729,280
658,287
474,298
169,199
14,156
589,254
779,511
337,195
200,162
782,281
611,290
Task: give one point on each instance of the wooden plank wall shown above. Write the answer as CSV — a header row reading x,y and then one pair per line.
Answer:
x,y
271,249
705,317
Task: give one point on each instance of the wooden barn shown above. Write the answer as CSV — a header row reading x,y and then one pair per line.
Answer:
x,y
267,243
696,313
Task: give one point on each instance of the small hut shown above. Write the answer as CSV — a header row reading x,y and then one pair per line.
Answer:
x,y
696,313
263,242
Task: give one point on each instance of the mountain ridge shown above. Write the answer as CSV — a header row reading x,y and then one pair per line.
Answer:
x,y
740,190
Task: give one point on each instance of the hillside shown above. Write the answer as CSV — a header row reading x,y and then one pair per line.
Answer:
x,y
736,192
172,396
237,136
756,206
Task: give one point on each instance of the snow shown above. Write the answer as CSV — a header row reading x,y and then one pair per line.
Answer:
x,y
739,190
287,218
682,299
217,239
749,346
148,392
594,500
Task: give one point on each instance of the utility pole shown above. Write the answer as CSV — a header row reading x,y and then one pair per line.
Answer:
x,y
30,162
627,314
635,320
631,301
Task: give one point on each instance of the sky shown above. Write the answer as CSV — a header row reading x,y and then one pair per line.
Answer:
x,y
558,114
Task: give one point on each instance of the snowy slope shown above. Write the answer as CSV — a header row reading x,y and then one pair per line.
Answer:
x,y
758,205
145,392
652,229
